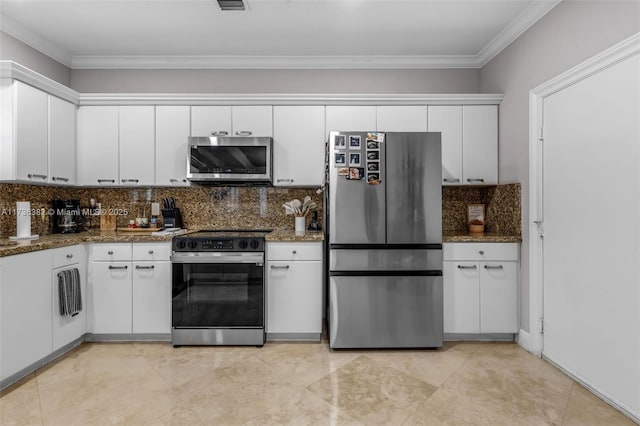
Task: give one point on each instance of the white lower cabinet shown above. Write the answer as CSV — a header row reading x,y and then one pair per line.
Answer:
x,y
131,288
66,329
294,291
151,297
25,311
480,288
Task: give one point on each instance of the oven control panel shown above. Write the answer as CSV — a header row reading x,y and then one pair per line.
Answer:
x,y
195,244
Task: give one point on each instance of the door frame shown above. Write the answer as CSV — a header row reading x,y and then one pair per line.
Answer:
x,y
533,341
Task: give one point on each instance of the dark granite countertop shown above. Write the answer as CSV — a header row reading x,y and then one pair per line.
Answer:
x,y
485,237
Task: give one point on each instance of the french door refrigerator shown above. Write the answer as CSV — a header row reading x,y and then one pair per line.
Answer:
x,y
384,226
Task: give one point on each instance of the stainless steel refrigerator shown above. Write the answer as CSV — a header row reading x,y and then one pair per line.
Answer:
x,y
384,225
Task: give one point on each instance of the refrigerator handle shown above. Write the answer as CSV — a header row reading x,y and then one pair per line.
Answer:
x,y
333,318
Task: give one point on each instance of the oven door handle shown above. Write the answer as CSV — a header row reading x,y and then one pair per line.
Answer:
x,y
213,257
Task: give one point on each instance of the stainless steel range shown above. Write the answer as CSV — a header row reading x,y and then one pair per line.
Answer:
x,y
218,288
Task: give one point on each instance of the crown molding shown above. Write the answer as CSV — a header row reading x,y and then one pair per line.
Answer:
x,y
515,29
274,62
287,99
41,44
13,70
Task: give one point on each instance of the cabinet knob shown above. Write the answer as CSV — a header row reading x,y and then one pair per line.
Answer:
x,y
69,256
294,252
110,252
481,252
150,251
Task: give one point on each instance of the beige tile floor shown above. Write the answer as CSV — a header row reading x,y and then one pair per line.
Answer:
x,y
301,384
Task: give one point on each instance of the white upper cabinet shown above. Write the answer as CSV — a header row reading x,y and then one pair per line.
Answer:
x,y
448,121
298,133
402,118
98,145
469,143
480,144
172,132
137,145
24,112
350,118
62,141
211,121
253,120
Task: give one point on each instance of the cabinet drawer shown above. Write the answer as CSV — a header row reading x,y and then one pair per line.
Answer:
x,y
67,255
294,251
480,251
151,251
111,252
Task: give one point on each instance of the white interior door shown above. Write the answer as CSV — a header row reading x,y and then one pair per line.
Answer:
x,y
591,220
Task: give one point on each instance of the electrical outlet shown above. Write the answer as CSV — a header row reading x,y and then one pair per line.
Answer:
x,y
155,209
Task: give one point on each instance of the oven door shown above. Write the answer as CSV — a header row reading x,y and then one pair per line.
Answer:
x,y
218,290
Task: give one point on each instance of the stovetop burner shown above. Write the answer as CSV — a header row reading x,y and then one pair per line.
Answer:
x,y
223,240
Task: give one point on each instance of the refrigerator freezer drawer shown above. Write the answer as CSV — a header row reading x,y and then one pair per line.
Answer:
x,y
385,260
385,312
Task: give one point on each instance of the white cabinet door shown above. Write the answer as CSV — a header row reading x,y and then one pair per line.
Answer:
x,y
31,133
448,120
210,120
346,118
480,142
111,297
25,310
172,132
66,329
98,145
298,144
62,141
404,118
253,120
498,297
151,297
294,297
137,145
461,297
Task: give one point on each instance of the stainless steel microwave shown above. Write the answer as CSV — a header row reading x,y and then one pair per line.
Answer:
x,y
230,159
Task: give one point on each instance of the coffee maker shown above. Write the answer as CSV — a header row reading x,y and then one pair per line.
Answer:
x,y
67,217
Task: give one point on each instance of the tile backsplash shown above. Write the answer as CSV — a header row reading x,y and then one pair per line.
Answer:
x,y
236,207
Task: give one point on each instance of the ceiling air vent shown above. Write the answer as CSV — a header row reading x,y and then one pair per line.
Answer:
x,y
231,4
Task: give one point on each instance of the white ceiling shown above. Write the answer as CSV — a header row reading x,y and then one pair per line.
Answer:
x,y
270,33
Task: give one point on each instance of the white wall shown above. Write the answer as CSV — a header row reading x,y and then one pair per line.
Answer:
x,y
12,49
570,33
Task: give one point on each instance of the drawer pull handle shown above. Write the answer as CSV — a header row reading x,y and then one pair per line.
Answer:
x,y
106,181
63,179
150,251
110,252
219,133
177,180
145,267
451,180
284,180
118,267
69,256
36,176
130,180
467,267
481,252
475,180
243,133
279,267
492,267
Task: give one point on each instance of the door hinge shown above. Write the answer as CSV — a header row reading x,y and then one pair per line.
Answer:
x,y
540,134
541,326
